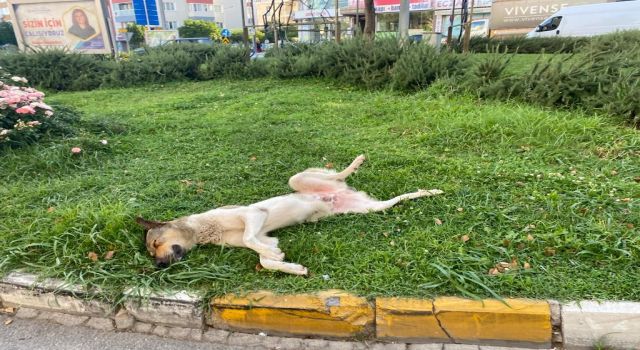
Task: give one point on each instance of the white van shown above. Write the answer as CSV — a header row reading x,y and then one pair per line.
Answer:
x,y
590,20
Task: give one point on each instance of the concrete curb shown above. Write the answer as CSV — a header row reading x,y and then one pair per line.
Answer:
x,y
335,314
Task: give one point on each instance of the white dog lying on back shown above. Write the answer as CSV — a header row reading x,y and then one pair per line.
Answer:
x,y
319,193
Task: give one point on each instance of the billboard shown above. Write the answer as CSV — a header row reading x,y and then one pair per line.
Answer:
x,y
527,14
77,25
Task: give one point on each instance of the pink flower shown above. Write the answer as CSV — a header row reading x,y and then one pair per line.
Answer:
x,y
76,150
26,110
40,105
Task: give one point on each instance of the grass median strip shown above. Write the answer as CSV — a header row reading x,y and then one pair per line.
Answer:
x,y
537,203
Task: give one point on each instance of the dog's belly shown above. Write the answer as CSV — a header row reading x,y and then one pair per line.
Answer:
x,y
293,209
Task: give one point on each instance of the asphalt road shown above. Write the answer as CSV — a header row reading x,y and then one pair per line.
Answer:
x,y
41,335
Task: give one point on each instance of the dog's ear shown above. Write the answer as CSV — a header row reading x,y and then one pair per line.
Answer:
x,y
148,225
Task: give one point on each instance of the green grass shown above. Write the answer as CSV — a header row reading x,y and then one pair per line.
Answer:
x,y
508,171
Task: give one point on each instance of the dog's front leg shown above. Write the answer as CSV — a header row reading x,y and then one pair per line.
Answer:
x,y
295,269
254,220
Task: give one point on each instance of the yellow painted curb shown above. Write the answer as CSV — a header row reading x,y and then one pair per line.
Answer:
x,y
520,320
330,313
407,319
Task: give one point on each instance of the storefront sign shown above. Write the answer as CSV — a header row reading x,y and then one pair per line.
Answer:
x,y
446,4
527,14
394,5
77,25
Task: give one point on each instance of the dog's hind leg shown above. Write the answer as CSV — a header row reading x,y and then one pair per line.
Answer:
x,y
295,269
323,180
360,202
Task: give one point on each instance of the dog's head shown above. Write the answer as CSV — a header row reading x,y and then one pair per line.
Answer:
x,y
165,241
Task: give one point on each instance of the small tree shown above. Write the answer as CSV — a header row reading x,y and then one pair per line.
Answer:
x,y
138,34
199,28
7,36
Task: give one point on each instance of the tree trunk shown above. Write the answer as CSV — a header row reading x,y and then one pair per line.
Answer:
x,y
369,19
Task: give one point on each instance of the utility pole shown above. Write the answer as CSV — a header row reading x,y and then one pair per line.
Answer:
x,y
451,19
403,23
337,24
357,31
253,24
245,31
467,30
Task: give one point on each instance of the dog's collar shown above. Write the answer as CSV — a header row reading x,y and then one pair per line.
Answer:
x,y
211,232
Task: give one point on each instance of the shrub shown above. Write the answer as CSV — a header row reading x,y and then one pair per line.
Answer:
x,y
160,65
526,45
25,117
57,69
420,65
226,61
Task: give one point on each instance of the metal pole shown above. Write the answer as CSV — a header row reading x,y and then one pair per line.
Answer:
x,y
337,24
245,31
403,22
253,24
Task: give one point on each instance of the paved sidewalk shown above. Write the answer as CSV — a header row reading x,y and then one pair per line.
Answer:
x,y
32,334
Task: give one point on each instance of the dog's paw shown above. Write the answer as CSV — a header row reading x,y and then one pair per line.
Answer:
x,y
273,254
358,161
300,270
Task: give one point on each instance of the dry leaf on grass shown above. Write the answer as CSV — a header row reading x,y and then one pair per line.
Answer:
x,y
253,158
529,237
8,322
92,256
109,255
51,209
549,251
527,266
438,221
460,210
329,165
465,238
258,267
630,226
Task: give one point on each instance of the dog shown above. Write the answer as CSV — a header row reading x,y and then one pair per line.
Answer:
x,y
319,193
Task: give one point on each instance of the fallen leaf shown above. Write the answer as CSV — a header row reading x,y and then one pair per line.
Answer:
x,y
465,238
636,179
386,234
548,251
51,209
527,266
392,243
92,256
259,267
521,246
187,182
514,264
329,165
520,183
8,310
109,255
614,173
529,237
626,200
629,226
253,158
8,322
460,210
506,242
493,271
438,221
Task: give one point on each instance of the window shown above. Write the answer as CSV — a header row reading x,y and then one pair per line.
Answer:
x,y
549,24
172,25
217,8
195,7
169,6
125,6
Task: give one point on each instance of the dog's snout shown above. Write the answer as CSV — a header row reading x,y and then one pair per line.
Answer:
x,y
162,264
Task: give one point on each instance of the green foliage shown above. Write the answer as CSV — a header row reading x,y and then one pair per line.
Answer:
x,y
7,35
526,45
161,64
137,39
236,36
420,65
194,28
226,61
57,69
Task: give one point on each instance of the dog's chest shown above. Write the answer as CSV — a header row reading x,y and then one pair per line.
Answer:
x,y
210,232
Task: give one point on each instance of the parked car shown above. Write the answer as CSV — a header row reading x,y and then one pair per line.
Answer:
x,y
590,20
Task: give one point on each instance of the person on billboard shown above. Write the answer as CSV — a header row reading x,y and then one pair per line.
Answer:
x,y
81,27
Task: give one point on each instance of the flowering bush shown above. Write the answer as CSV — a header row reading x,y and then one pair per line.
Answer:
x,y
23,114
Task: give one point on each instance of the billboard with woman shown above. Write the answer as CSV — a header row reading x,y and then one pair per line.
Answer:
x,y
78,25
